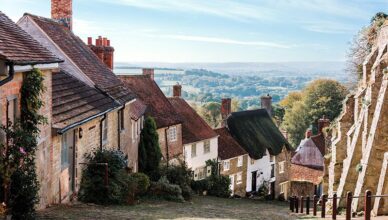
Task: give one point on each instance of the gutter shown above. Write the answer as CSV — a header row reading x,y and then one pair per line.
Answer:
x,y
10,75
103,118
63,130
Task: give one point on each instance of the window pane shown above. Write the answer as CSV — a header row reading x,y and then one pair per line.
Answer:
x,y
193,150
206,147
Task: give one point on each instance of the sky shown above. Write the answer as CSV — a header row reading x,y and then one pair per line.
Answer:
x,y
216,30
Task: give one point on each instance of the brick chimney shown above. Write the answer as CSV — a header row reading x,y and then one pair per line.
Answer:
x,y
322,123
226,108
266,103
177,90
149,72
62,11
103,50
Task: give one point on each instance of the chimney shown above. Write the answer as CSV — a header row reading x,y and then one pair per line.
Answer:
x,y
177,90
226,108
103,50
149,72
322,123
266,103
62,11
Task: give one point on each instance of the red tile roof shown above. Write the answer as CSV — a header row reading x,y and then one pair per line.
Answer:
x,y
84,58
73,101
194,128
19,47
157,103
305,174
137,109
227,146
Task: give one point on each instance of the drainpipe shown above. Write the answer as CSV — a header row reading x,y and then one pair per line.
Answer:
x,y
10,74
166,139
119,127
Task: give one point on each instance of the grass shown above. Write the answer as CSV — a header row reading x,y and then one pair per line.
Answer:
x,y
199,208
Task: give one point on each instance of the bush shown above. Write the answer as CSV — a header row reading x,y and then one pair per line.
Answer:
x,y
141,181
163,189
93,187
219,186
200,186
179,175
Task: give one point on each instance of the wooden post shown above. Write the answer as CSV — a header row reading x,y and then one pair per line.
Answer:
x,y
315,201
334,212
323,210
301,204
296,204
349,199
291,203
368,204
308,205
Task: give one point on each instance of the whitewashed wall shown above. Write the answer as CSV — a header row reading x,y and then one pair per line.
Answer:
x,y
201,158
262,165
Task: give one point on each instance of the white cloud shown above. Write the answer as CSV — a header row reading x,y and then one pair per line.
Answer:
x,y
227,41
329,27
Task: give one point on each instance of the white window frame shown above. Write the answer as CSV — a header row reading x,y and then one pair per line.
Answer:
x,y
201,173
282,187
172,134
226,165
193,150
104,131
206,147
281,166
239,178
240,161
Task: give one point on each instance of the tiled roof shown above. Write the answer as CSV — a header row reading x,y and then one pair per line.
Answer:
x,y
19,47
158,105
73,101
305,174
308,154
256,132
227,146
137,109
84,58
319,141
194,128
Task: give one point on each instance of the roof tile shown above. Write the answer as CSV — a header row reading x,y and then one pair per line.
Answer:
x,y
227,146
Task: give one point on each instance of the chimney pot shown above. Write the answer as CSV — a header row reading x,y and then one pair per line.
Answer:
x,y
149,72
104,43
90,40
108,43
177,90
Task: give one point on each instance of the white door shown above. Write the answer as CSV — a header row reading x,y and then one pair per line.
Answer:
x,y
232,183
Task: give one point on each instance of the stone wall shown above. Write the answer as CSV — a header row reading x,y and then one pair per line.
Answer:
x,y
175,148
282,178
239,189
302,189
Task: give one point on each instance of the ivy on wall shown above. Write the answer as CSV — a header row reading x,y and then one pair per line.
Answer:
x,y
17,166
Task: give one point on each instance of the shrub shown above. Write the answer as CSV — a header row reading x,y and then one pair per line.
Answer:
x,y
200,186
141,182
165,190
219,186
93,187
179,175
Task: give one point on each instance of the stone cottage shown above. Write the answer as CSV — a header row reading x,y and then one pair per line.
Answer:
x,y
19,54
233,160
168,121
200,142
256,132
92,108
359,151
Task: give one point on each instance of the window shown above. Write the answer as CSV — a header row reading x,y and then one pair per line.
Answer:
x,y
206,147
12,107
283,187
272,170
172,134
239,178
193,150
239,161
281,166
121,119
201,173
65,151
104,131
209,171
226,165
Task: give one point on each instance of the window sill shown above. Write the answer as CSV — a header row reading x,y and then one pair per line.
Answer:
x,y
238,183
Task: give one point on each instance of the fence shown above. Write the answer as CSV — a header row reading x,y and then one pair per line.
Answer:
x,y
297,203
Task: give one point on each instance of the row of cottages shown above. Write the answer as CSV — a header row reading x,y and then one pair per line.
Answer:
x,y
250,159
87,107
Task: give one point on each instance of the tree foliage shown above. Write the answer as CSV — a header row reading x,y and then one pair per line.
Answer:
x,y
149,150
322,97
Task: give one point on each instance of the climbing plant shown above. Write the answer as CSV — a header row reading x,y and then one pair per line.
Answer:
x,y
17,164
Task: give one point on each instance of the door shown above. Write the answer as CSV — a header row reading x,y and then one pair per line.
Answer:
x,y
231,183
254,179
273,190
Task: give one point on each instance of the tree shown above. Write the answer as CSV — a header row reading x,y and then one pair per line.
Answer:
x,y
321,97
211,112
149,149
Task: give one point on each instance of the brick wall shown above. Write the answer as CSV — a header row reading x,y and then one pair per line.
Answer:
x,y
239,189
175,148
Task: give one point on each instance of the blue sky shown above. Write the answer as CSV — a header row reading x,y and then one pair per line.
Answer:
x,y
216,30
